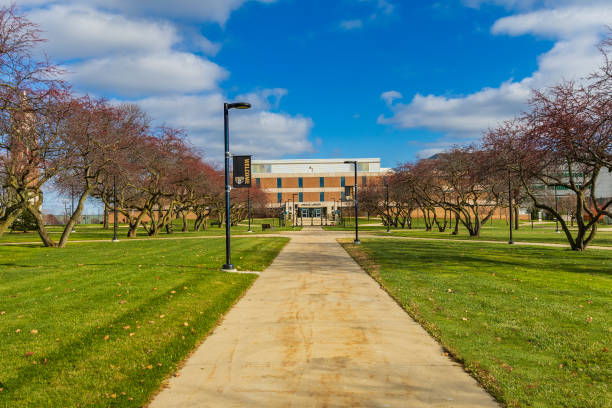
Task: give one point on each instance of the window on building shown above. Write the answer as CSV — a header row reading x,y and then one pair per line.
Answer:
x,y
364,181
342,196
258,182
321,196
321,181
300,182
279,182
301,197
279,197
342,181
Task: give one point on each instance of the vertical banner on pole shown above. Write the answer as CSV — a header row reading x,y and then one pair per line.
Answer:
x,y
242,171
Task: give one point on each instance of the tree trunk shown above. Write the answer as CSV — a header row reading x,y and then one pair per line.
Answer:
x,y
105,218
40,223
185,225
516,217
7,220
456,230
73,219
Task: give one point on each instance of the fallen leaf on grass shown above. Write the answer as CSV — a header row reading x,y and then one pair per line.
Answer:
x,y
589,319
131,334
185,324
123,301
18,331
34,331
126,327
106,337
2,312
161,316
28,354
464,319
173,291
149,367
113,396
449,290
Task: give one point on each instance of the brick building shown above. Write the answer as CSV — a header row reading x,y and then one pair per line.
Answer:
x,y
317,186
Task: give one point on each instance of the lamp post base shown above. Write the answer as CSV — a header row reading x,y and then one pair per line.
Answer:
x,y
356,242
115,240
511,242
228,268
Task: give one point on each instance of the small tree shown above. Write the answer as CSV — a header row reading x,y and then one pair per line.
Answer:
x,y
24,222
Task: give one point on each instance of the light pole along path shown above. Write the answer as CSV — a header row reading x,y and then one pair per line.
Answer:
x,y
228,266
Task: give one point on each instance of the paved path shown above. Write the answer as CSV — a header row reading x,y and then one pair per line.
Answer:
x,y
317,331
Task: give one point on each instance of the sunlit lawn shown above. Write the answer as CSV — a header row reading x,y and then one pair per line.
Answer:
x,y
533,324
496,231
102,324
95,231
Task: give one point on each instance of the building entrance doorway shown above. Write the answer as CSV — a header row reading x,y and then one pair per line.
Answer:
x,y
313,216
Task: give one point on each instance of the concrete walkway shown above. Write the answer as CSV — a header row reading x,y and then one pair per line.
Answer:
x,y
317,331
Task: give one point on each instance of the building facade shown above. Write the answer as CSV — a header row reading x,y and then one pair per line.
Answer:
x,y
313,188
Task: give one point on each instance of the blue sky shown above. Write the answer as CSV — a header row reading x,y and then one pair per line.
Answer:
x,y
344,78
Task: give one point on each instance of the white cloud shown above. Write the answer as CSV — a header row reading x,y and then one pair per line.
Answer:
x,y
351,24
256,131
565,22
139,51
390,96
159,73
264,99
524,5
82,32
194,10
574,56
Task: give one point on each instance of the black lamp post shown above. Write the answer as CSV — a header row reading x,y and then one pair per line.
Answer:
x,y
510,206
115,239
387,188
226,107
249,207
356,241
294,219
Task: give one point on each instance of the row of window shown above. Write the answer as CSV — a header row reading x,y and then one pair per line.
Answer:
x,y
279,182
279,197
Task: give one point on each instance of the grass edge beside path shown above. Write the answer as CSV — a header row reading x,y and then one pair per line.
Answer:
x,y
113,338
545,356
372,268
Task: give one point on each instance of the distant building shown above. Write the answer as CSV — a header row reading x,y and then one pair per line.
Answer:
x,y
317,186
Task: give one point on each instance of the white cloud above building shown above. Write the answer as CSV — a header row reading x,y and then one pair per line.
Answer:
x,y
576,27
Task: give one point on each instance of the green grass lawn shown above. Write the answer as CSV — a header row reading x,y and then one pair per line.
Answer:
x,y
95,231
533,324
498,231
102,324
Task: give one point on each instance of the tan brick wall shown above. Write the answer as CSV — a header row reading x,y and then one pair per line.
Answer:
x,y
311,182
268,183
310,197
332,181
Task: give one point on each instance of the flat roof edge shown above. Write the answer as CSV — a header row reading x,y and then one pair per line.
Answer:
x,y
366,159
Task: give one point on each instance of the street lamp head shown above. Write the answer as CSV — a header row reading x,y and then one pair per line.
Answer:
x,y
350,161
239,105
